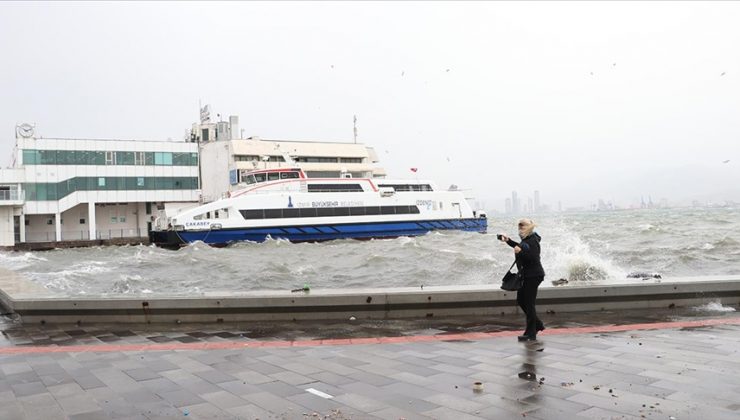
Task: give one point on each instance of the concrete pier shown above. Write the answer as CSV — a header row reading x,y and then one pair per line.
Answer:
x,y
33,303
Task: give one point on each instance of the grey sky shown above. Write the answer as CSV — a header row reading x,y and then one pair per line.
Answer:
x,y
518,109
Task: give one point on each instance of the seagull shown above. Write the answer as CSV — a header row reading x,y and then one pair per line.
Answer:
x,y
592,73
726,161
723,73
448,158
614,65
402,73
332,66
447,71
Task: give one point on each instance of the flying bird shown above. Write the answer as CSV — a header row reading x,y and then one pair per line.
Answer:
x,y
332,66
402,73
614,65
448,158
592,73
726,161
447,71
723,73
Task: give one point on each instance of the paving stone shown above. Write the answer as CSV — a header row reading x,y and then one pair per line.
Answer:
x,y
275,404
88,382
448,413
181,398
249,411
291,378
205,410
282,389
224,399
91,415
32,388
214,376
77,404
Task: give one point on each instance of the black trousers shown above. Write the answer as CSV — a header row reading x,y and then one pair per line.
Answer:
x,y
526,297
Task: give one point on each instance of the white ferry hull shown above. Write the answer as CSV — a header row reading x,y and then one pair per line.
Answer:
x,y
317,232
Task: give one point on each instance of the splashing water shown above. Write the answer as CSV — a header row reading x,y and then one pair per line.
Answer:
x,y
714,307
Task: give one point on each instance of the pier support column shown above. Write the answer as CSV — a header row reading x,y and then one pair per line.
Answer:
x,y
58,226
91,220
22,227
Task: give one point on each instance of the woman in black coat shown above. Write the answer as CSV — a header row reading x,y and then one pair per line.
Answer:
x,y
527,255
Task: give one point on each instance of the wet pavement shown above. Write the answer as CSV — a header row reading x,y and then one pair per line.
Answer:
x,y
664,364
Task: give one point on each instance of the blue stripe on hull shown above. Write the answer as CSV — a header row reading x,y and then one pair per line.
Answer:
x,y
333,231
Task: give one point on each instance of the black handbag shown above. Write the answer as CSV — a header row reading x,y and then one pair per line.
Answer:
x,y
512,281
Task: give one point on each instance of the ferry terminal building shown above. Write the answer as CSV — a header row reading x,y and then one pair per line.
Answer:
x,y
64,189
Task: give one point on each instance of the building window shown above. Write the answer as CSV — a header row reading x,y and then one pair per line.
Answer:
x,y
204,134
82,221
122,219
49,221
101,182
31,157
110,158
163,158
350,160
148,207
139,158
315,159
140,183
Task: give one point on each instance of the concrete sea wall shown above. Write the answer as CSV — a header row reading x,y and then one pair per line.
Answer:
x,y
33,303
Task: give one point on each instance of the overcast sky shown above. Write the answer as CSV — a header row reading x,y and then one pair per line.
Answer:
x,y
580,100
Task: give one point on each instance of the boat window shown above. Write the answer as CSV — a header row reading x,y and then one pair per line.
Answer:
x,y
259,177
324,211
327,212
250,179
357,211
225,213
288,175
208,215
343,187
290,213
273,176
307,212
198,217
252,214
408,187
273,213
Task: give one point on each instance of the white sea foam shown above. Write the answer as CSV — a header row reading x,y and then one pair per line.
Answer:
x,y
714,307
17,261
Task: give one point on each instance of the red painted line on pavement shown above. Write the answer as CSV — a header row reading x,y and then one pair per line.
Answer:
x,y
226,345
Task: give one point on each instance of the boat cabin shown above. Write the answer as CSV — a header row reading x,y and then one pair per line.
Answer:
x,y
266,175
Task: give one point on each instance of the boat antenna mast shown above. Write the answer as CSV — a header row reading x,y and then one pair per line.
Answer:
x,y
355,127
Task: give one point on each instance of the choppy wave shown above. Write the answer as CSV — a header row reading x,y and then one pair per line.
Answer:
x,y
588,248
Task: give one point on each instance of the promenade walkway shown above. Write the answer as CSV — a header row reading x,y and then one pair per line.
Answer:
x,y
661,368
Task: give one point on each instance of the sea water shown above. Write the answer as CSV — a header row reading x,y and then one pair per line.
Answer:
x,y
584,248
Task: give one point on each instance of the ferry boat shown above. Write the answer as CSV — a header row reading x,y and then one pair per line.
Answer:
x,y
285,204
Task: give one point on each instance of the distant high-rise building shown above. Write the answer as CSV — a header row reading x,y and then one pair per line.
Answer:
x,y
530,205
537,206
514,202
507,205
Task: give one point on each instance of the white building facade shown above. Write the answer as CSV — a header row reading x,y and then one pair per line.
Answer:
x,y
80,189
226,157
